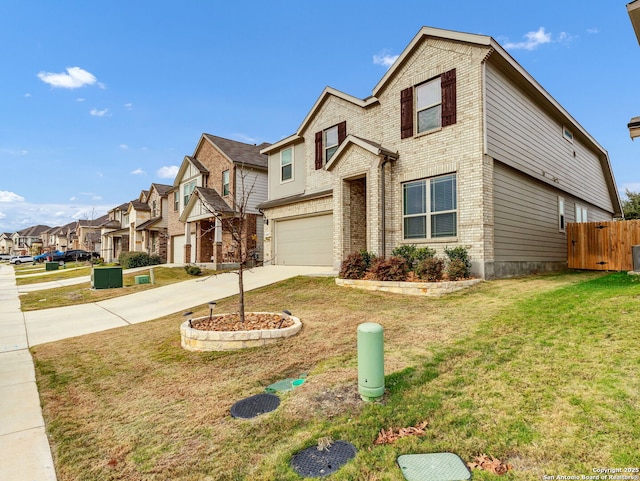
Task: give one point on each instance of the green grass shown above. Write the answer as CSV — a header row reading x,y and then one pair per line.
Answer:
x,y
540,372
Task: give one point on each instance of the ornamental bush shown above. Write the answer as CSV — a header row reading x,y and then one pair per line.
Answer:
x,y
461,270
412,254
430,269
192,270
456,270
389,269
355,265
129,259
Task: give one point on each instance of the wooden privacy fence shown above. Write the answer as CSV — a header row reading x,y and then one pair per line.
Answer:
x,y
602,246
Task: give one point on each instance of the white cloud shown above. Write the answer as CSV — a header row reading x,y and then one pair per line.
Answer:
x,y
128,106
73,79
245,138
384,58
3,215
72,199
593,30
124,146
28,95
533,41
99,113
168,172
80,99
138,171
6,196
631,187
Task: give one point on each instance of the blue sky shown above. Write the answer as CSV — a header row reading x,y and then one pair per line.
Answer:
x,y
99,99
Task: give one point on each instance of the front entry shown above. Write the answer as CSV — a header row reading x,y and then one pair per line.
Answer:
x,y
355,211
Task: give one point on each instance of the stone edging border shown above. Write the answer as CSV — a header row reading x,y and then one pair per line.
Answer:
x,y
199,341
432,289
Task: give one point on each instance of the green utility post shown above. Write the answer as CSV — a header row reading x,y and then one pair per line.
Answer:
x,y
370,361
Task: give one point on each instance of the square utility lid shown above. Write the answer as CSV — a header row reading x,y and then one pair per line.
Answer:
x,y
434,467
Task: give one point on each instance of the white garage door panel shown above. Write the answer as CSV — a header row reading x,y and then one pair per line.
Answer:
x,y
305,242
177,248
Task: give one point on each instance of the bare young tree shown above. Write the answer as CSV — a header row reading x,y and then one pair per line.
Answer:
x,y
237,225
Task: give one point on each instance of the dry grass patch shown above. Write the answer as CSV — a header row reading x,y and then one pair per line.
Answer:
x,y
494,370
83,293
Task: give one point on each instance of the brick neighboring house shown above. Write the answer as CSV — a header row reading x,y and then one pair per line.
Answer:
x,y
115,233
457,146
153,232
201,214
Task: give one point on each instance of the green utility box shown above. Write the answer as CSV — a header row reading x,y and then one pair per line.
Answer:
x,y
106,277
51,266
370,361
142,279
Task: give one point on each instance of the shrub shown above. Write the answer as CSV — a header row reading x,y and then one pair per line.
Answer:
x,y
155,259
193,270
459,253
129,259
390,269
430,269
412,254
457,269
356,265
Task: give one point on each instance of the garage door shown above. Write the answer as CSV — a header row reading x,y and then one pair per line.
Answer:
x,y
177,249
305,242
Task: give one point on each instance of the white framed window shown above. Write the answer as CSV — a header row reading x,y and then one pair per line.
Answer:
x,y
330,142
567,134
176,201
430,208
581,213
562,225
226,189
429,105
187,190
286,164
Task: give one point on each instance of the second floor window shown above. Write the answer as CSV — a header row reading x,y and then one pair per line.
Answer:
x,y
176,201
429,105
226,187
189,187
330,142
286,164
327,143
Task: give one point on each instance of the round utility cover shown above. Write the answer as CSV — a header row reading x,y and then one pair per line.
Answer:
x,y
314,463
255,405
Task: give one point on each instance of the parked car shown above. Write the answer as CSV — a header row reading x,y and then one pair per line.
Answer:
x,y
20,259
55,256
79,255
5,257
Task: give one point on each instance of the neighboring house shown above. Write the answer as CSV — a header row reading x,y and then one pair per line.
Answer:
x,y
115,233
6,243
206,191
457,146
138,213
153,232
634,14
87,234
29,241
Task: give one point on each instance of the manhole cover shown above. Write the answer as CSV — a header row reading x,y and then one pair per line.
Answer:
x,y
255,405
313,463
433,466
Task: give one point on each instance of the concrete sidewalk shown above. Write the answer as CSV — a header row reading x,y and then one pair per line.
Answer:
x,y
24,448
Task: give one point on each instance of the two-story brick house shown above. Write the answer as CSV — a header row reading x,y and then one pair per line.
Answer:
x,y
457,146
209,187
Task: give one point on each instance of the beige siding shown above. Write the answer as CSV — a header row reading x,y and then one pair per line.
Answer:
x,y
522,135
279,189
526,218
255,184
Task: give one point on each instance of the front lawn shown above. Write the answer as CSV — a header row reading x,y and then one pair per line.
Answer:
x,y
83,293
540,372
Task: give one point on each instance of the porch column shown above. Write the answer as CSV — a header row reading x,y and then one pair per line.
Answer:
x,y
187,242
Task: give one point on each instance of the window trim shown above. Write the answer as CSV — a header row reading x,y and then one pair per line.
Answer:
x,y
176,201
325,145
282,166
186,186
562,219
226,191
567,134
428,214
581,213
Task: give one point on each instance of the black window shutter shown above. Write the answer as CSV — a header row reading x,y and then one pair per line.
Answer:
x,y
406,113
319,150
342,131
448,85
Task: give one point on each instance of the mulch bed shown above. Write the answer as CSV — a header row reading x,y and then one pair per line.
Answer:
x,y
253,321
